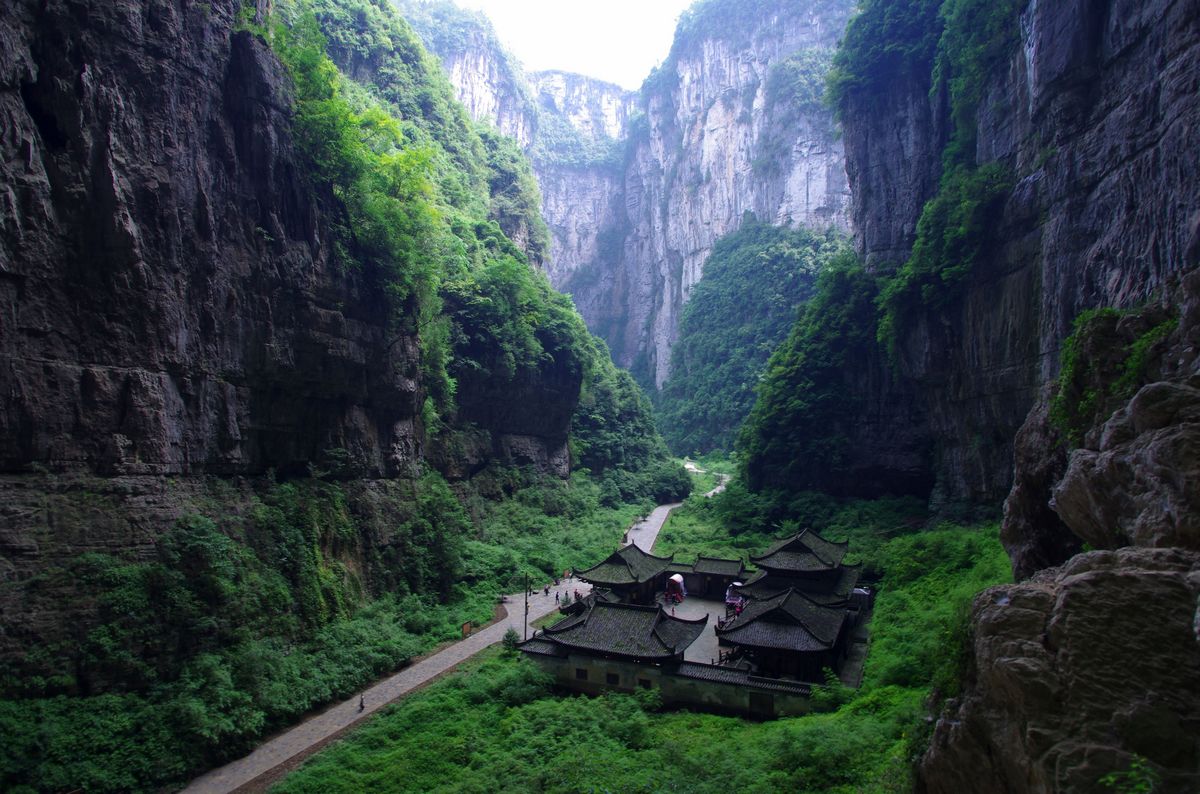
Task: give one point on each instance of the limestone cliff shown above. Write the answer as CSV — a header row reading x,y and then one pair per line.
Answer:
x,y
175,309
1091,666
1093,111
636,189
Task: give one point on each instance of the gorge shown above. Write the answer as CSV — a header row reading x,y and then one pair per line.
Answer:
x,y
290,392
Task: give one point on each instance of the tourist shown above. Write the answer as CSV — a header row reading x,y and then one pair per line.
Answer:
x,y
556,597
362,702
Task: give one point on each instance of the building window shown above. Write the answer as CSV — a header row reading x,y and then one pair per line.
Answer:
x,y
580,674
644,683
612,678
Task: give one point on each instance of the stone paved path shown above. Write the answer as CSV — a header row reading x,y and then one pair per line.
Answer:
x,y
645,532
316,729
338,717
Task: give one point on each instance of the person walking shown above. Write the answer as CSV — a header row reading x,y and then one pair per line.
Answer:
x,y
362,702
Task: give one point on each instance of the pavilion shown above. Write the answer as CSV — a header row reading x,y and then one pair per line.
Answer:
x,y
631,574
789,635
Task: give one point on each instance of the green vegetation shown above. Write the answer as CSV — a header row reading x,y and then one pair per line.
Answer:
x,y
951,46
497,726
559,143
1100,367
232,631
795,436
737,315
244,623
952,234
262,604
886,42
613,437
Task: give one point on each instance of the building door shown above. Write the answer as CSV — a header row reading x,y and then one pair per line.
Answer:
x,y
762,705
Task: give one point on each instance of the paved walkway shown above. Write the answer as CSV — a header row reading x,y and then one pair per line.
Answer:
x,y
319,728
645,532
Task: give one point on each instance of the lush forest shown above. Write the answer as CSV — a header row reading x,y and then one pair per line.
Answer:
x,y
497,725
738,313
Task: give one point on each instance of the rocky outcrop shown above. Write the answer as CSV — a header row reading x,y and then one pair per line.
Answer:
x,y
1069,681
1094,112
1091,671
1139,487
173,306
173,313
635,204
596,109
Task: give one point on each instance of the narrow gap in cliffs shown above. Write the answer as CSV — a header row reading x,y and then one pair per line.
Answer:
x,y
43,118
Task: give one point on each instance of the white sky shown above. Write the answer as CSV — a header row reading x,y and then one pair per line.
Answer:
x,y
615,40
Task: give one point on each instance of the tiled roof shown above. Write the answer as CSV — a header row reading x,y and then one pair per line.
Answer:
x,y
627,565
718,566
540,647
639,631
764,585
801,553
790,621
728,675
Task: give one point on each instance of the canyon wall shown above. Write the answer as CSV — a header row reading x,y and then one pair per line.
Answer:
x,y
1094,113
173,311
731,123
1091,665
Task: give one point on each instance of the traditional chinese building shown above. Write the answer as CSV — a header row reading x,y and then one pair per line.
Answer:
x,y
631,574
807,563
605,631
611,647
709,577
789,635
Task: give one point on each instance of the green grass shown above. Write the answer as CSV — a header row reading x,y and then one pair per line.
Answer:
x,y
496,725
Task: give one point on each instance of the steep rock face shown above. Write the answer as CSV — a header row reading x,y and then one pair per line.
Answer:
x,y
1069,681
711,146
487,80
172,309
488,90
1095,113
595,108
578,162
720,130
1092,668
172,305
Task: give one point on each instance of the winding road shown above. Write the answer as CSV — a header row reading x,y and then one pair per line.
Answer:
x,y
286,750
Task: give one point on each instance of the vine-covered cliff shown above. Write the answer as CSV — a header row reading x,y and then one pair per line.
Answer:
x,y
1025,202
637,188
271,319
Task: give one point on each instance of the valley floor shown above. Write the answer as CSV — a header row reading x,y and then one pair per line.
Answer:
x,y
496,724
286,749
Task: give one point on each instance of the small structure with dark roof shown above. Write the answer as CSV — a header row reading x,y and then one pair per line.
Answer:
x,y
763,585
709,577
789,635
632,574
805,557
645,633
